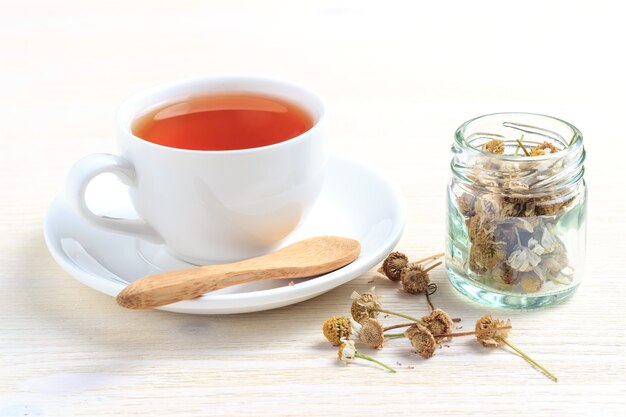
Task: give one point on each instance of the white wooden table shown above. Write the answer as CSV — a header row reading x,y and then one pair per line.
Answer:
x,y
399,79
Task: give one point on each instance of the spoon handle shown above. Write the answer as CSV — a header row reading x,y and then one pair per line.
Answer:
x,y
306,258
170,287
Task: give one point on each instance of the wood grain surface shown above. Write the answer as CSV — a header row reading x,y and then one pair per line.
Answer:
x,y
399,77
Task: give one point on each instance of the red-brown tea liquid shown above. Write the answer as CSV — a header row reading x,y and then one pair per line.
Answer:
x,y
223,122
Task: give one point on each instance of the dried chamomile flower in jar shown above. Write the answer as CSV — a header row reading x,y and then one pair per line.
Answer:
x,y
466,204
487,254
545,206
488,205
480,229
503,272
530,282
494,146
544,148
516,206
474,265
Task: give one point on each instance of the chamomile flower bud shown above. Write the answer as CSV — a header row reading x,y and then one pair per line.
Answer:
x,y
364,306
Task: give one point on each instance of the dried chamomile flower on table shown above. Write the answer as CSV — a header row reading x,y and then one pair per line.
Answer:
x,y
393,265
372,333
425,335
415,278
365,305
347,353
413,275
428,333
488,336
337,328
490,332
422,340
439,323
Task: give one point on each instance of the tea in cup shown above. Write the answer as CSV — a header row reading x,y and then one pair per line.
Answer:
x,y
218,168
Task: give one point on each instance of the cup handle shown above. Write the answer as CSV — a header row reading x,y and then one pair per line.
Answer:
x,y
85,170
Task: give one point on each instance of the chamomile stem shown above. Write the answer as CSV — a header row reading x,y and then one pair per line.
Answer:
x,y
397,326
435,256
404,316
369,358
572,141
473,332
430,303
531,361
519,141
433,266
394,335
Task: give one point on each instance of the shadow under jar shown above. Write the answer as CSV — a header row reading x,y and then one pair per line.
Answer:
x,y
516,210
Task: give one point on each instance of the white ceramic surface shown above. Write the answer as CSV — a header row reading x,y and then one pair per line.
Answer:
x,y
355,202
211,206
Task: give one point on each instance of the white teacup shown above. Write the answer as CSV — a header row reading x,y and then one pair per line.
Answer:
x,y
211,206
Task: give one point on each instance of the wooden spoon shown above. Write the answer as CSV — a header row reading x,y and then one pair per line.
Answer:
x,y
307,258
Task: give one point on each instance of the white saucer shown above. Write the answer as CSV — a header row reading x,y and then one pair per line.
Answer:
x,y
355,202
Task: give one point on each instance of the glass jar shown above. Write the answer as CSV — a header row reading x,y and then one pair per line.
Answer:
x,y
516,210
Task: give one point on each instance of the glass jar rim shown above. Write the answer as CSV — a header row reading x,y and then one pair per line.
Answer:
x,y
574,144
